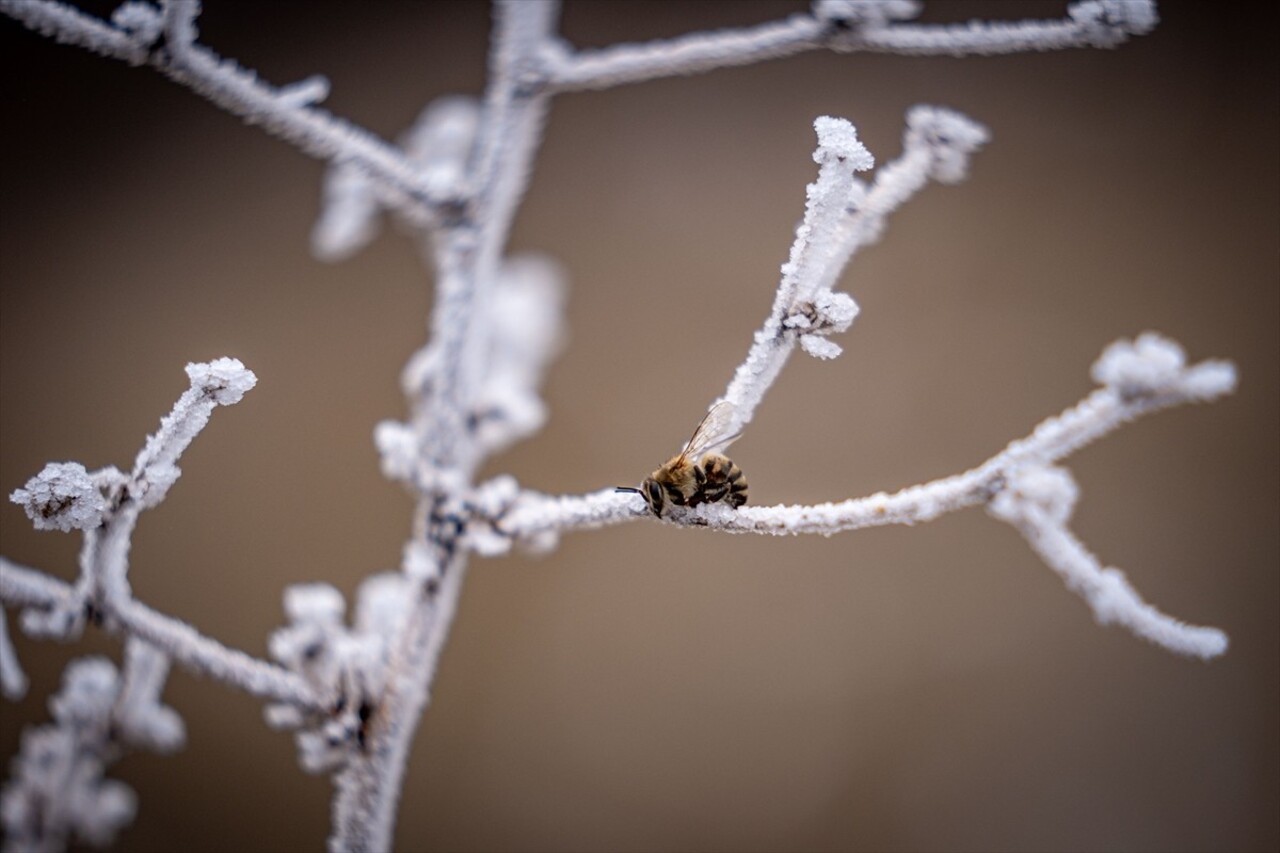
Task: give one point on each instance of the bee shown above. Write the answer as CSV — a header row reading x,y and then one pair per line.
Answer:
x,y
699,474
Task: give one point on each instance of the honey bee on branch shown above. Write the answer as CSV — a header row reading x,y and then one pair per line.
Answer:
x,y
699,474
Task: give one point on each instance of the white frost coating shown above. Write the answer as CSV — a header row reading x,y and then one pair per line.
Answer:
x,y
841,215
56,789
525,320
1047,488
222,382
950,137
397,450
349,213
442,141
439,145
311,90
473,390
142,719
1037,501
807,270
845,26
61,497
138,19
1107,23
1052,440
856,12
348,667
13,681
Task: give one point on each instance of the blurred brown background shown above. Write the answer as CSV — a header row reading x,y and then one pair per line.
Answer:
x,y
645,688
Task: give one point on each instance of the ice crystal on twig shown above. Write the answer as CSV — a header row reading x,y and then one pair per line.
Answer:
x,y
61,497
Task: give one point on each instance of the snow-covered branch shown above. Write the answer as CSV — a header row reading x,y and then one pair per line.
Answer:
x,y
845,26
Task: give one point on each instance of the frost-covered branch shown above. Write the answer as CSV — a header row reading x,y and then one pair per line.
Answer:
x,y
106,504
139,34
845,26
841,215
53,608
446,388
353,693
1138,378
58,788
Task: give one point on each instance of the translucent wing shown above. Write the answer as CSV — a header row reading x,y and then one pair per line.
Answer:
x,y
713,433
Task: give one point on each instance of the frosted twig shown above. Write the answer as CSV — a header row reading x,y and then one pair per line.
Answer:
x,y
57,788
13,681
106,505
468,258
1038,501
38,594
280,111
354,693
1106,409
840,216
845,26
1140,377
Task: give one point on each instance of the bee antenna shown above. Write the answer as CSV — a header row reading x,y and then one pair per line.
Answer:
x,y
626,489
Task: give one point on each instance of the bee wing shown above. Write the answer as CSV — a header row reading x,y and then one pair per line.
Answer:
x,y
713,433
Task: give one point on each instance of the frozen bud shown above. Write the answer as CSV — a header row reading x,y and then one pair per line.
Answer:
x,y
1047,488
1209,380
348,213
314,602
61,497
835,311
1140,367
820,347
838,140
102,810
417,562
951,138
140,20
494,497
316,754
1137,17
441,141
849,13
89,690
1107,23
283,716
539,543
382,604
484,540
397,449
224,379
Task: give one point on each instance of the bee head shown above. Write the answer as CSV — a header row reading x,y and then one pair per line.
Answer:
x,y
651,492
653,495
